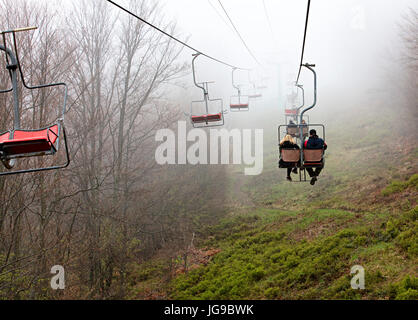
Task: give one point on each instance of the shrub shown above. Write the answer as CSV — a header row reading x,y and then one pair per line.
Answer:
x,y
406,289
397,186
408,240
272,293
257,274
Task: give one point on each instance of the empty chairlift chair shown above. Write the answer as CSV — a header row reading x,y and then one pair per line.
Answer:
x,y
263,85
290,112
22,143
213,114
293,112
238,102
255,94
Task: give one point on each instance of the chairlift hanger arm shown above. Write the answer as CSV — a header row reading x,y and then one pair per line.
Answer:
x,y
310,67
16,61
303,96
9,53
26,144
7,90
20,67
14,57
249,78
195,55
233,82
13,75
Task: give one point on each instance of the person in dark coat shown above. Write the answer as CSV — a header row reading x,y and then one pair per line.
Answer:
x,y
288,143
292,128
314,142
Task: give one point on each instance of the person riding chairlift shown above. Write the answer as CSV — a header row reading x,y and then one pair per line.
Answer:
x,y
314,142
288,143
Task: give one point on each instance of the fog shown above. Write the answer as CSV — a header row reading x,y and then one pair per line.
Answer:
x,y
351,43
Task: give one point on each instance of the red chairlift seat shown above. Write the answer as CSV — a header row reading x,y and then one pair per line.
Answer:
x,y
290,111
22,143
207,118
238,105
256,95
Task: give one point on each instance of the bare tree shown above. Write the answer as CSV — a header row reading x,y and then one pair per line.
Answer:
x,y
114,207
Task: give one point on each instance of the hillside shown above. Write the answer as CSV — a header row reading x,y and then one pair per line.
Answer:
x,y
283,240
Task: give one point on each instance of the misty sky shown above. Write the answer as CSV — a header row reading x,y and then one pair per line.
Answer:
x,y
350,41
343,36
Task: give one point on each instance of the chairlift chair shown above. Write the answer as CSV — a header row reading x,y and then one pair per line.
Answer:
x,y
293,114
207,119
311,157
290,112
294,110
24,143
262,86
255,95
238,102
292,128
303,158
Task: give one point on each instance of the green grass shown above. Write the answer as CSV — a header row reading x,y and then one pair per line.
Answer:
x,y
399,186
260,260
406,289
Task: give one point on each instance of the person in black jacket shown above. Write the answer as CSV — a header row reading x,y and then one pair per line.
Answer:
x,y
314,142
292,128
288,143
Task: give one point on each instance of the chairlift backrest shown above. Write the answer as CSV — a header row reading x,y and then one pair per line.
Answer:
x,y
313,155
210,118
290,155
238,102
292,130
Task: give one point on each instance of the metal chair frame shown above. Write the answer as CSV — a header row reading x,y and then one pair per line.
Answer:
x,y
14,67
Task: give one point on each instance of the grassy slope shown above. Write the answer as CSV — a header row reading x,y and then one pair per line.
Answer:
x,y
274,254
294,241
